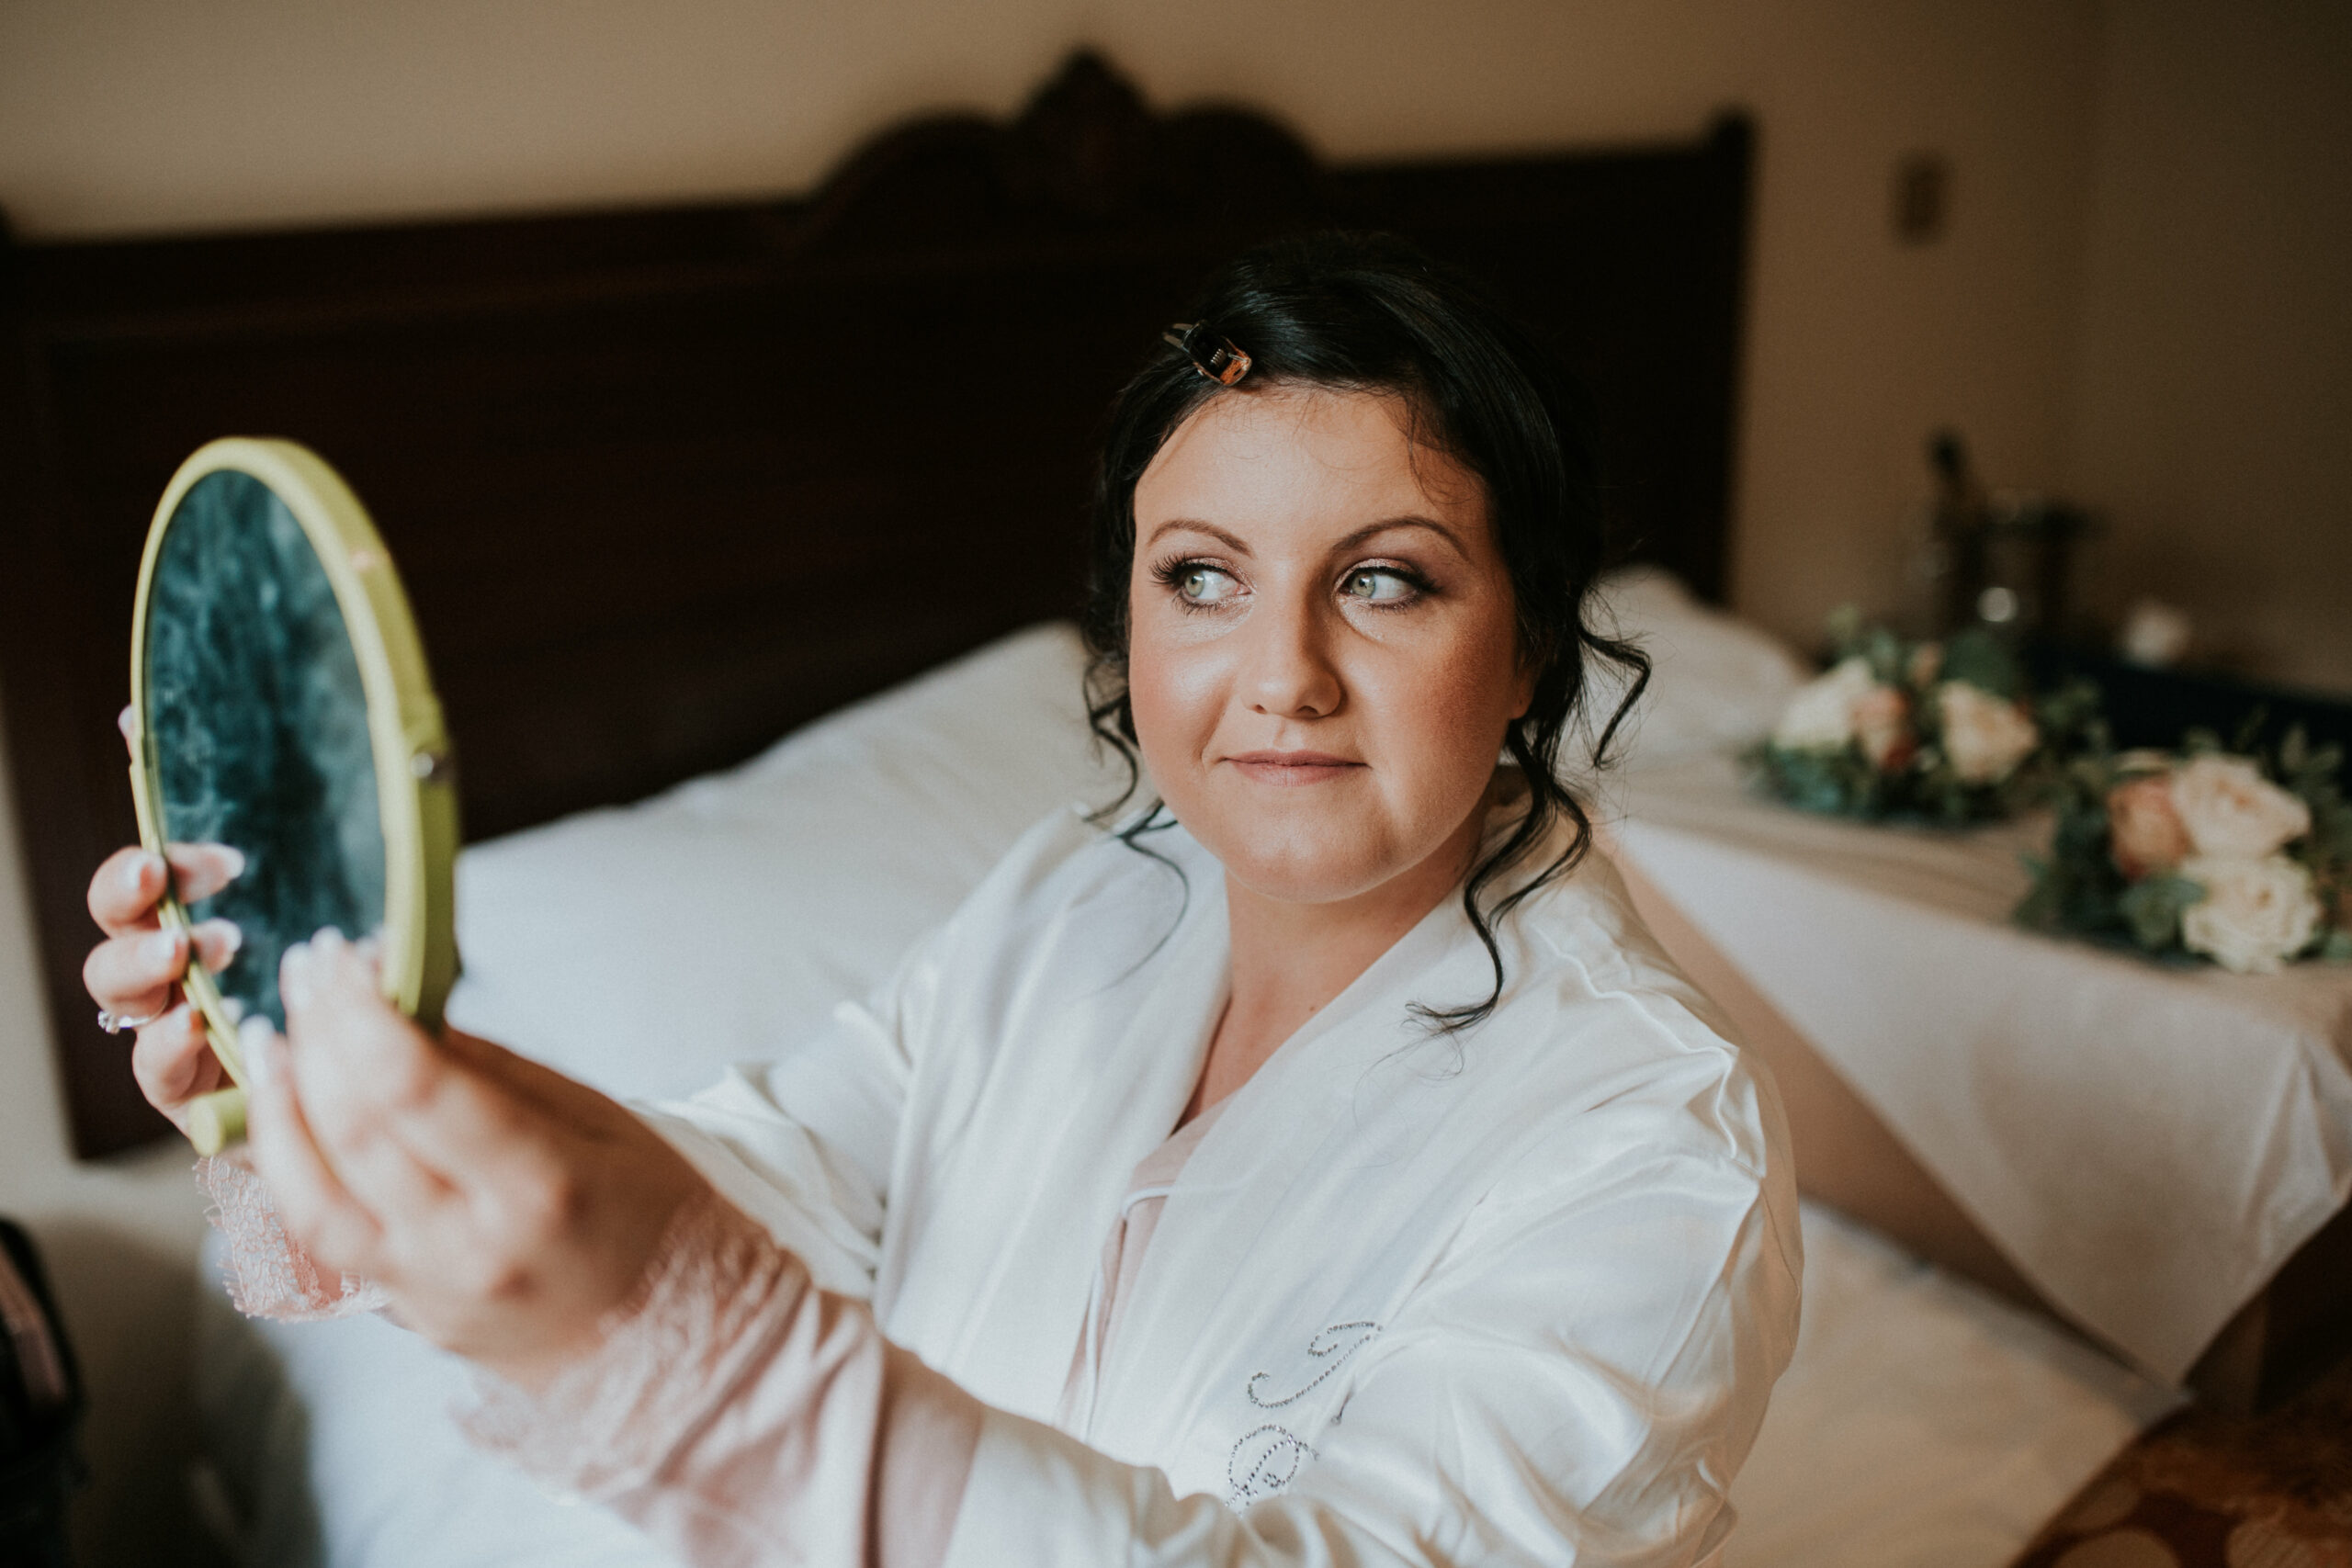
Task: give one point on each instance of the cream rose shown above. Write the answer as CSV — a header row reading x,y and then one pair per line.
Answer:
x,y
2230,810
2255,914
1820,717
1985,737
2144,830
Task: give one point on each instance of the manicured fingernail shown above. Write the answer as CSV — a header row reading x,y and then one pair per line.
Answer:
x,y
134,871
329,942
159,948
255,1037
234,859
124,720
217,943
294,975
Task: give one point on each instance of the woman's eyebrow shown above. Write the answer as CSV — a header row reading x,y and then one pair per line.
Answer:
x,y
1230,541
1373,530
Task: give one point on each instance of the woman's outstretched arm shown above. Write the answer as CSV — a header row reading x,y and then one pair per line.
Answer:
x,y
651,1345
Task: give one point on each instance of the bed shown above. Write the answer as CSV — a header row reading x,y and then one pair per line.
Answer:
x,y
615,454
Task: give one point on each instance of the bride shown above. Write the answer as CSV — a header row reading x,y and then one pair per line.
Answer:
x,y
1312,1160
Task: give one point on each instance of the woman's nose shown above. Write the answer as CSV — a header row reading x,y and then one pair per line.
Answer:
x,y
1292,674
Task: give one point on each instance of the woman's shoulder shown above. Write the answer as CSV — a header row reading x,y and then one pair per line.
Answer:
x,y
1593,1004
1587,922
1632,1067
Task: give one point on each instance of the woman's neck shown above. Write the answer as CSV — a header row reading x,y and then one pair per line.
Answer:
x,y
1291,961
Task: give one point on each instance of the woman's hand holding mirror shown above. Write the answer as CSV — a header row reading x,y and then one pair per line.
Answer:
x,y
507,1208
134,974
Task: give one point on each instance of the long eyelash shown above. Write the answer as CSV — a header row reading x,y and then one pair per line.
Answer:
x,y
1422,587
1167,571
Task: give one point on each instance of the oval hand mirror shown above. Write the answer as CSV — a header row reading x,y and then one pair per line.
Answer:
x,y
280,706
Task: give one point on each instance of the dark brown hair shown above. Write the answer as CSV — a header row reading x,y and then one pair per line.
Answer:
x,y
1371,313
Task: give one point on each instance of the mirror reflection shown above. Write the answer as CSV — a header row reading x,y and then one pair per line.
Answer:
x,y
258,725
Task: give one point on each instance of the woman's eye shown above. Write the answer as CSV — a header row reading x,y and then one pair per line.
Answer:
x,y
1204,585
1378,585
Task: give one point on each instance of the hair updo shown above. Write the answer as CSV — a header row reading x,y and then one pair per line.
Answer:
x,y
1355,313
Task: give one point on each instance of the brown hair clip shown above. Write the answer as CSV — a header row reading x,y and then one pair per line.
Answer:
x,y
1213,356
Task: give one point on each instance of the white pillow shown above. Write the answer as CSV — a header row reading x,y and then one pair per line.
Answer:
x,y
1716,683
643,949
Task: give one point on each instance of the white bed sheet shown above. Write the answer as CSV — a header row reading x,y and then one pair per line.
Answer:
x,y
643,949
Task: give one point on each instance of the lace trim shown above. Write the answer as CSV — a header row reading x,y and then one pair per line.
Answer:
x,y
267,1273
716,1301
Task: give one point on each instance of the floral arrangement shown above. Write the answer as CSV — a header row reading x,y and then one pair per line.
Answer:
x,y
2245,860
1936,730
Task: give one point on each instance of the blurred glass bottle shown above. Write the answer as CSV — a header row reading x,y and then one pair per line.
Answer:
x,y
1997,560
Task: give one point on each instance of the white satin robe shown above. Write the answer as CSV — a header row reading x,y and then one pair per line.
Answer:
x,y
1516,1296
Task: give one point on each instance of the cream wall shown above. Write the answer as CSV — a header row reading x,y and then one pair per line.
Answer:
x,y
138,116
2212,410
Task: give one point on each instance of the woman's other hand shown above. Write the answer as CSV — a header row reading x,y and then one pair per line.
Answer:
x,y
507,1208
135,974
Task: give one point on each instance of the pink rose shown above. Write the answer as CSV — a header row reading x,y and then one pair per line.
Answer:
x,y
2144,833
1882,718
2230,810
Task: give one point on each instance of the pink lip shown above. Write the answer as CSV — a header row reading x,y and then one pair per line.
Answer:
x,y
1292,767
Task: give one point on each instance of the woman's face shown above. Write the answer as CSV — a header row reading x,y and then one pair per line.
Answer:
x,y
1322,652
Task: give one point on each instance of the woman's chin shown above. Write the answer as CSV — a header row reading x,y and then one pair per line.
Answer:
x,y
1288,871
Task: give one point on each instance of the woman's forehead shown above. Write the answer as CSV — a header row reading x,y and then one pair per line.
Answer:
x,y
1298,457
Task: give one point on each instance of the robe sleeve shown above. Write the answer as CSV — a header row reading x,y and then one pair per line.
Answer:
x,y
742,1416
805,1143
267,1273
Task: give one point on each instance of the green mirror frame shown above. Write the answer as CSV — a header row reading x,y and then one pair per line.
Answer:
x,y
415,777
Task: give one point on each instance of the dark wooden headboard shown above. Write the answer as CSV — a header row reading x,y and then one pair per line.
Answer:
x,y
664,484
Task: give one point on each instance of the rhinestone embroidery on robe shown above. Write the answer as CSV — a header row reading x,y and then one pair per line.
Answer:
x,y
1266,1458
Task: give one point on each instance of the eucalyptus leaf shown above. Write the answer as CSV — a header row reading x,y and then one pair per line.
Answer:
x,y
2153,909
1978,658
